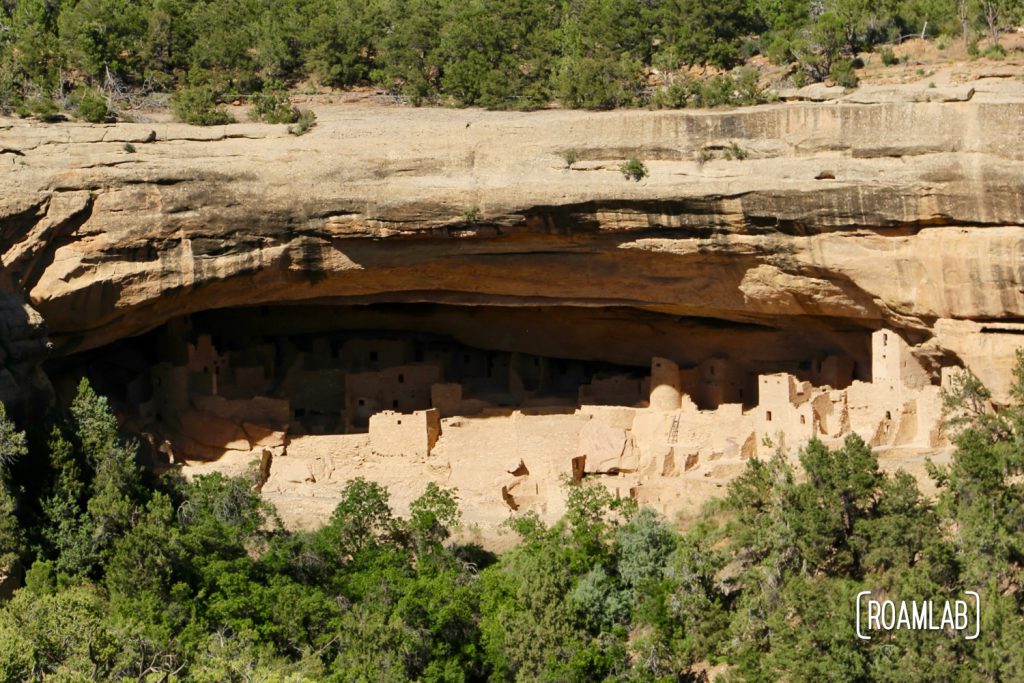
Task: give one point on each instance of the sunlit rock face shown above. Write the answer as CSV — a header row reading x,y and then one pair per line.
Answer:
x,y
917,216
772,238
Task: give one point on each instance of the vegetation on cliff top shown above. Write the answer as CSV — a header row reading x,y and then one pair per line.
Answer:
x,y
134,577
491,53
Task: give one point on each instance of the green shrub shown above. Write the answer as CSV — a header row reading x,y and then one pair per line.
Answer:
x,y
198,106
633,169
597,83
10,94
889,57
41,579
129,147
994,51
843,73
570,157
305,121
737,89
272,106
747,88
717,91
92,107
698,32
677,95
817,50
779,50
735,153
750,48
41,108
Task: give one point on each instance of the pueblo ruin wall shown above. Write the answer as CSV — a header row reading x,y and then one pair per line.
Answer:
x,y
242,294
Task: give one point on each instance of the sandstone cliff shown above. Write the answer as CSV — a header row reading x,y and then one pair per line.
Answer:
x,y
798,222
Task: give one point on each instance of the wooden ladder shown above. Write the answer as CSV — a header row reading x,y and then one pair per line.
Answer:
x,y
673,431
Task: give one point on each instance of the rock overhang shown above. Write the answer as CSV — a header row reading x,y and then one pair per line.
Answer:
x,y
842,217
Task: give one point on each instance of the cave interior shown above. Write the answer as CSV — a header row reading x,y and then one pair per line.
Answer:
x,y
324,368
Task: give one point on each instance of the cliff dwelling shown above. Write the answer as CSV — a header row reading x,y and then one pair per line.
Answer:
x,y
315,370
503,403
442,299
484,341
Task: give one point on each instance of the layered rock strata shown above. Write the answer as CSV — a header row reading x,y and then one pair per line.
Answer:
x,y
785,230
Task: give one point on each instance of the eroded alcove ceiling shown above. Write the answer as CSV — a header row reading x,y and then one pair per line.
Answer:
x,y
842,218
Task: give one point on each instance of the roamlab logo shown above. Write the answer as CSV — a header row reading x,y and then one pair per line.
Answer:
x,y
956,616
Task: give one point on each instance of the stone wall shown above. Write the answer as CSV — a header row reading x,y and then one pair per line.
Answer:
x,y
404,434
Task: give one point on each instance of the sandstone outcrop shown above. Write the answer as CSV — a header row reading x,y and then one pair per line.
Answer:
x,y
777,234
922,221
